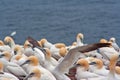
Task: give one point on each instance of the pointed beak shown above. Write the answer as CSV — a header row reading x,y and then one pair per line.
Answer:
x,y
28,76
92,63
2,55
76,65
26,62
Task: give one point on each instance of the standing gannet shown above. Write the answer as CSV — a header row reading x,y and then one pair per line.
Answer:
x,y
82,66
114,44
34,74
33,62
71,57
5,75
11,67
79,39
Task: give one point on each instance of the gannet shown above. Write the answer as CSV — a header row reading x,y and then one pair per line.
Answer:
x,y
33,62
54,48
81,72
98,67
79,39
11,67
45,43
5,75
49,60
9,41
106,52
28,51
34,74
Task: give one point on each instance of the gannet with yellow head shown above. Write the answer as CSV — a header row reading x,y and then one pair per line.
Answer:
x,y
33,62
5,75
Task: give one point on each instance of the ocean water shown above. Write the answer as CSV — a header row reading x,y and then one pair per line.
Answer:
x,y
60,20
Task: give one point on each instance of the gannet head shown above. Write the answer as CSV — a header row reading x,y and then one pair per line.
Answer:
x,y
39,42
17,48
74,44
5,55
48,53
1,43
9,40
98,63
32,60
60,45
34,73
117,70
43,41
63,51
27,44
83,63
103,41
80,36
112,39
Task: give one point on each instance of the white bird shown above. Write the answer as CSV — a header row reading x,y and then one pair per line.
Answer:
x,y
11,67
18,50
79,39
98,67
33,62
46,44
54,48
5,75
34,74
28,50
81,72
49,60
107,52
9,41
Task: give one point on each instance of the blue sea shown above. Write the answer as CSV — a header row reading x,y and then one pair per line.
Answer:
x,y
60,20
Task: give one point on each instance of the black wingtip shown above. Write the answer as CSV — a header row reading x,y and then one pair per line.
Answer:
x,y
103,45
91,47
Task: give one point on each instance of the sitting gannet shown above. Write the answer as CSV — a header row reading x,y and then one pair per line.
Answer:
x,y
34,74
5,75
